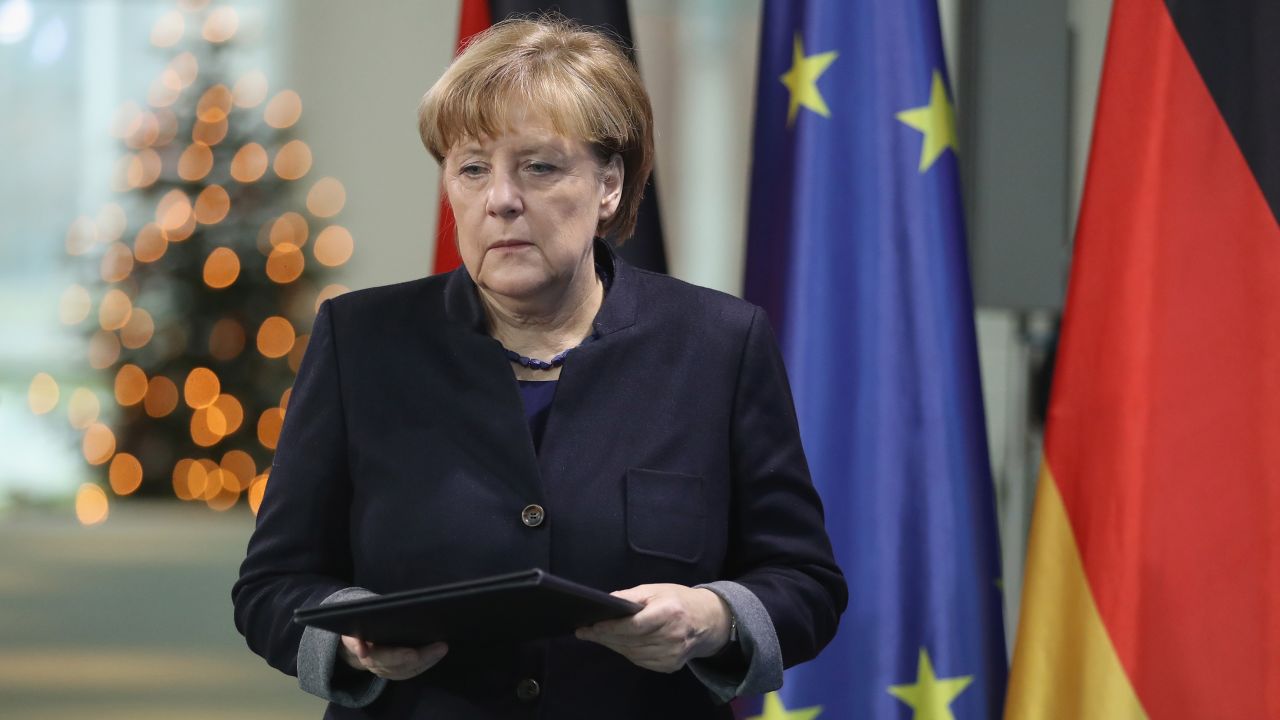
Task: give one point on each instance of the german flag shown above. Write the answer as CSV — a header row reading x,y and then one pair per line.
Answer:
x,y
1153,574
645,249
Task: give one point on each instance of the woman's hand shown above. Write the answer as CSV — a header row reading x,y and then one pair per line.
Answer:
x,y
677,624
392,663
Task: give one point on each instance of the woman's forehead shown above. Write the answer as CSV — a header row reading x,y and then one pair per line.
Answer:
x,y
525,132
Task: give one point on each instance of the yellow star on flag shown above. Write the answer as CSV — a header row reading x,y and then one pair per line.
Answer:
x,y
775,710
937,121
930,697
802,81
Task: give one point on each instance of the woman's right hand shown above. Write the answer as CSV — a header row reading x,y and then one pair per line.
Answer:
x,y
392,663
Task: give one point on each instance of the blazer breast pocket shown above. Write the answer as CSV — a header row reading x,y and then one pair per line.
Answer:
x,y
666,514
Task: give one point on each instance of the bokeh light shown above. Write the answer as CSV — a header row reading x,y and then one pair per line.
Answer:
x,y
275,337
293,160
111,223
173,211
327,197
82,235
289,229
285,263
333,246
232,412
168,121
91,504
209,133
208,426
214,104
227,339
42,394
183,231
138,331
125,474
256,490
250,89
144,130
162,397
249,163
212,205
74,305
201,388
114,310
283,110
143,169
150,243
161,95
168,29
83,408
117,262
269,424
185,67
182,478
220,25
221,268
131,385
104,350
240,469
284,399
99,443
196,162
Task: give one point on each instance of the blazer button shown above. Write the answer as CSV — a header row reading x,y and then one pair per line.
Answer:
x,y
532,516
528,689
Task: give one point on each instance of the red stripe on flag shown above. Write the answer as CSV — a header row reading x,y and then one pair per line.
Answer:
x,y
1164,431
473,19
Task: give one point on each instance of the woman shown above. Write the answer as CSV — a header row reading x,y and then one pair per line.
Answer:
x,y
544,406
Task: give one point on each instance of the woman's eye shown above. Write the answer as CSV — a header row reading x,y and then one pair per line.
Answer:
x,y
471,170
540,168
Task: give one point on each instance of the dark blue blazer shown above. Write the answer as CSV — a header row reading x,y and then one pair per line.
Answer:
x,y
671,454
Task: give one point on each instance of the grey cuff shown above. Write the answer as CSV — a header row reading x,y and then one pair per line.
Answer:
x,y
759,644
318,658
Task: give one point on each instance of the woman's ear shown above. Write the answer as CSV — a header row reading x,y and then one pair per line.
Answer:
x,y
611,177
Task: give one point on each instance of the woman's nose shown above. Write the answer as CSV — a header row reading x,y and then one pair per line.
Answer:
x,y
504,196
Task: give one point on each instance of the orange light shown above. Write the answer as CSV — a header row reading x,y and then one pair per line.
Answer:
x,y
225,499
161,398
285,263
232,412
168,122
293,160
125,474
143,131
196,479
143,169
299,349
214,104
240,469
269,424
99,444
249,163
284,399
333,246
209,133
212,205
168,29
185,66
91,505
226,340
221,268
83,408
73,308
256,490
82,235
213,479
201,388
326,198
250,89
161,95
138,331
196,162
104,349
283,110
114,310
42,394
117,262
208,426
111,222
131,385
174,209
221,25
150,243
290,228
183,231
275,337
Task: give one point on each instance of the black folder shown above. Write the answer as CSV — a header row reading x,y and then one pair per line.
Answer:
x,y
516,606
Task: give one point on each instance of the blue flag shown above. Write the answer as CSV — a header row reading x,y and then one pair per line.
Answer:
x,y
857,251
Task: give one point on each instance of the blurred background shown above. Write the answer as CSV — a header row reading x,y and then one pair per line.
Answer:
x,y
281,135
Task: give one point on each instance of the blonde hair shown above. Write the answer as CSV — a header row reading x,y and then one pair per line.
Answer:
x,y
578,77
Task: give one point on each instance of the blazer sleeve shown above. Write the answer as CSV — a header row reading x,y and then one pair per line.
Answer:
x,y
299,554
779,548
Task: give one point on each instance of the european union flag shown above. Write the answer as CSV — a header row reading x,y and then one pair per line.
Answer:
x,y
857,251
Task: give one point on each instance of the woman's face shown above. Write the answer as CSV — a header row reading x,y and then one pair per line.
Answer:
x,y
527,204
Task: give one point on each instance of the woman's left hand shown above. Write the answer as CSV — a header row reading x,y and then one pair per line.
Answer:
x,y
677,624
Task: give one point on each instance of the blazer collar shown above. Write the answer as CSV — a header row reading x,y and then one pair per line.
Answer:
x,y
462,299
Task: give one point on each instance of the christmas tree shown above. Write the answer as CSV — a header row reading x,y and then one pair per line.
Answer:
x,y
201,281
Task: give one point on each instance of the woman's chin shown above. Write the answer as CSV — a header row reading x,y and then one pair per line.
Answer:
x,y
516,283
